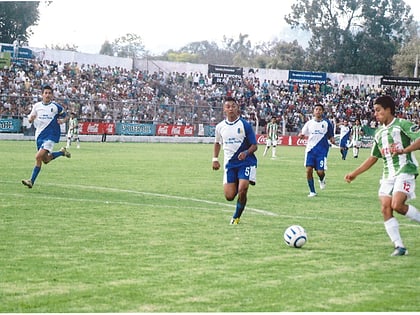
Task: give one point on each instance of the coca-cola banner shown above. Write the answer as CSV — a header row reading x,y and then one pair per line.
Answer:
x,y
92,128
175,130
283,140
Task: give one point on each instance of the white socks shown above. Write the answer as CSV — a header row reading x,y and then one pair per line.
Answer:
x,y
413,213
393,230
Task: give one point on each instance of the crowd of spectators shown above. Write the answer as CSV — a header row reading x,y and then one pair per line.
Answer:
x,y
114,94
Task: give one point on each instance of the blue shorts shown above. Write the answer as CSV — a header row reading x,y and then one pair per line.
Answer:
x,y
318,162
232,175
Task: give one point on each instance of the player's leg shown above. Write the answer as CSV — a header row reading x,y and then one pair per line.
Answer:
x,y
267,146
404,190
390,222
310,164
230,184
40,156
69,138
273,152
243,186
246,176
356,149
321,166
49,145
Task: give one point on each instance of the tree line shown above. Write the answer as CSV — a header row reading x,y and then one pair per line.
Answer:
x,y
371,37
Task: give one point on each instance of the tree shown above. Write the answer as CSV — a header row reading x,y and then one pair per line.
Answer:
x,y
352,36
280,55
106,49
15,19
404,62
129,45
203,52
241,49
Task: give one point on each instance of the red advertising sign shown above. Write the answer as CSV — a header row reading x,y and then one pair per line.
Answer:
x,y
283,140
175,130
92,128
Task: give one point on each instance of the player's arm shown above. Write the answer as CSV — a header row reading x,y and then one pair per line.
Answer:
x,y
367,164
32,116
215,160
412,147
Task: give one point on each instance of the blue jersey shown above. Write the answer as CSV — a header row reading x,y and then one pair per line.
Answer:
x,y
318,133
345,132
236,137
46,124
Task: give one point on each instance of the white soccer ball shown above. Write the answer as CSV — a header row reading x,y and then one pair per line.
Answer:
x,y
295,236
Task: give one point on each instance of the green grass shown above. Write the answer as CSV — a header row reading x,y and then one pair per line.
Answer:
x,y
144,227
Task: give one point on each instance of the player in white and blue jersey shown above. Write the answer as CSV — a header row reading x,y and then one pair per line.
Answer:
x,y
47,117
319,131
239,143
345,132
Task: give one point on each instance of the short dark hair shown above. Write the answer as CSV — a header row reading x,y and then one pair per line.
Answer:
x,y
386,101
319,105
230,99
46,87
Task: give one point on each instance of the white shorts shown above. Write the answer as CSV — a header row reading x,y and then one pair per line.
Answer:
x,y
357,144
270,142
48,145
405,183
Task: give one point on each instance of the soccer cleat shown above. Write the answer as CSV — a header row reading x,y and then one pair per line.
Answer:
x,y
312,194
66,153
234,221
322,184
399,251
27,182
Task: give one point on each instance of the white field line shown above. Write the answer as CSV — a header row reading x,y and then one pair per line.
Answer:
x,y
263,212
224,205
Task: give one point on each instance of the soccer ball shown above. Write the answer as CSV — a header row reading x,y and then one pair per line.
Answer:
x,y
295,236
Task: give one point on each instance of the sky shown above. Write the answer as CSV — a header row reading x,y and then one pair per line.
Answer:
x,y
163,24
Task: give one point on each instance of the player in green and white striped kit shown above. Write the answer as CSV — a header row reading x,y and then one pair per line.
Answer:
x,y
272,136
395,140
356,138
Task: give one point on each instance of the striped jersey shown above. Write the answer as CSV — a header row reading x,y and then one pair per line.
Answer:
x,y
318,133
272,130
236,137
73,125
46,124
356,133
399,133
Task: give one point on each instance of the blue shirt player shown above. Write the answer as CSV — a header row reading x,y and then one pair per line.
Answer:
x,y
319,131
47,117
239,143
345,132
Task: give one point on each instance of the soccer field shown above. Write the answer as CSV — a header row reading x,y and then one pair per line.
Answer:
x,y
144,227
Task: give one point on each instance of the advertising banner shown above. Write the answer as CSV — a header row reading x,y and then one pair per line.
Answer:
x,y
175,130
282,140
92,128
307,76
400,81
220,73
135,129
10,125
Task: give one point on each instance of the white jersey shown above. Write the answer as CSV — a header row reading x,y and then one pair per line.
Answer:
x,y
318,133
46,124
236,137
